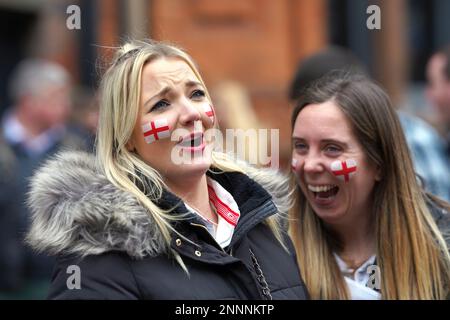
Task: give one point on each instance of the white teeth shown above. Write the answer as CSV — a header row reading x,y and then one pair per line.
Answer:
x,y
186,143
192,141
197,141
321,188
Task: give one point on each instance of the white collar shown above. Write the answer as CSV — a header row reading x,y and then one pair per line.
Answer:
x,y
361,270
359,291
15,133
358,286
227,213
13,130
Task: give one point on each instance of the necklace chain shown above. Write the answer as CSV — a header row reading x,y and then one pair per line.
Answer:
x,y
351,264
213,209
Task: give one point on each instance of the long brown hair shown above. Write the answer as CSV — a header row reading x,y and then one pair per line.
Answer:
x,y
411,253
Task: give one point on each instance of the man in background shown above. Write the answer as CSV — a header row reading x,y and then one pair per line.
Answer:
x,y
438,90
32,129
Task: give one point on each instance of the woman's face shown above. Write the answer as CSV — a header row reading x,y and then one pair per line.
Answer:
x,y
172,119
322,134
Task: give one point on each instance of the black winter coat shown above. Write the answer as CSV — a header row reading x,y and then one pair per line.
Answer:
x,y
104,236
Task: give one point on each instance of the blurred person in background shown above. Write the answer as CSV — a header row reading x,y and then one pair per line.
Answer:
x,y
426,146
84,121
234,111
32,129
438,90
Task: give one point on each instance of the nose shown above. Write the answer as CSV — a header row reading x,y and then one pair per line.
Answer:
x,y
189,113
313,164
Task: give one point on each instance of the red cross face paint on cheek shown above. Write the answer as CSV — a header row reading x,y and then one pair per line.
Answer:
x,y
294,164
344,170
209,110
156,130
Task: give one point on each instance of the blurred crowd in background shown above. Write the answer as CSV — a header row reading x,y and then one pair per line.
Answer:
x,y
256,56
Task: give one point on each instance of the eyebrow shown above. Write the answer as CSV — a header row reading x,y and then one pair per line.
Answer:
x,y
334,141
192,83
294,138
164,91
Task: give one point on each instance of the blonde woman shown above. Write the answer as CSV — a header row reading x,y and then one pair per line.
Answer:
x,y
361,224
139,222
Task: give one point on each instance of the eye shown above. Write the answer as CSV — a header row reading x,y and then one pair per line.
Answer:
x,y
333,149
198,94
161,104
300,147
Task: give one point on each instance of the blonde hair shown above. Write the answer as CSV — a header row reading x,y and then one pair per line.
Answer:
x,y
411,252
120,98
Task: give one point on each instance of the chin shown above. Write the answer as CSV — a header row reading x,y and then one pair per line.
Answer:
x,y
199,167
196,168
331,219
329,215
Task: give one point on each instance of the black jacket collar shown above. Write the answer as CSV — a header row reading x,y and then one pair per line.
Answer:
x,y
254,202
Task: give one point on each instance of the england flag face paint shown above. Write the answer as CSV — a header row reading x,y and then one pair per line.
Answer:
x,y
156,130
344,170
209,110
294,164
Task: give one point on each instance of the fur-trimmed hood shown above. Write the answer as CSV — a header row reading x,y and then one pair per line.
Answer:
x,y
77,210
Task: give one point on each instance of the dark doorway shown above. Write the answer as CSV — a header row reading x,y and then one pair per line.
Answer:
x,y
15,27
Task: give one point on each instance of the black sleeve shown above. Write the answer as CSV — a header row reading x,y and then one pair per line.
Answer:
x,y
102,277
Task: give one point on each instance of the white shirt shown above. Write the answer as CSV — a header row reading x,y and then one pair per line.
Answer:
x,y
358,286
15,133
227,213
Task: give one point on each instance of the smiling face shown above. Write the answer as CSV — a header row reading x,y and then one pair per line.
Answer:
x,y
322,134
172,104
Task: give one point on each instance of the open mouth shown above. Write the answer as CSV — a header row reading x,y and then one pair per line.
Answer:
x,y
326,192
193,141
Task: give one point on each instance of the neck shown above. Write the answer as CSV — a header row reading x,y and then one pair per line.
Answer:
x,y
195,194
32,127
356,237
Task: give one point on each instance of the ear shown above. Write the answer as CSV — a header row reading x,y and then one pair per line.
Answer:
x,y
378,174
130,145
